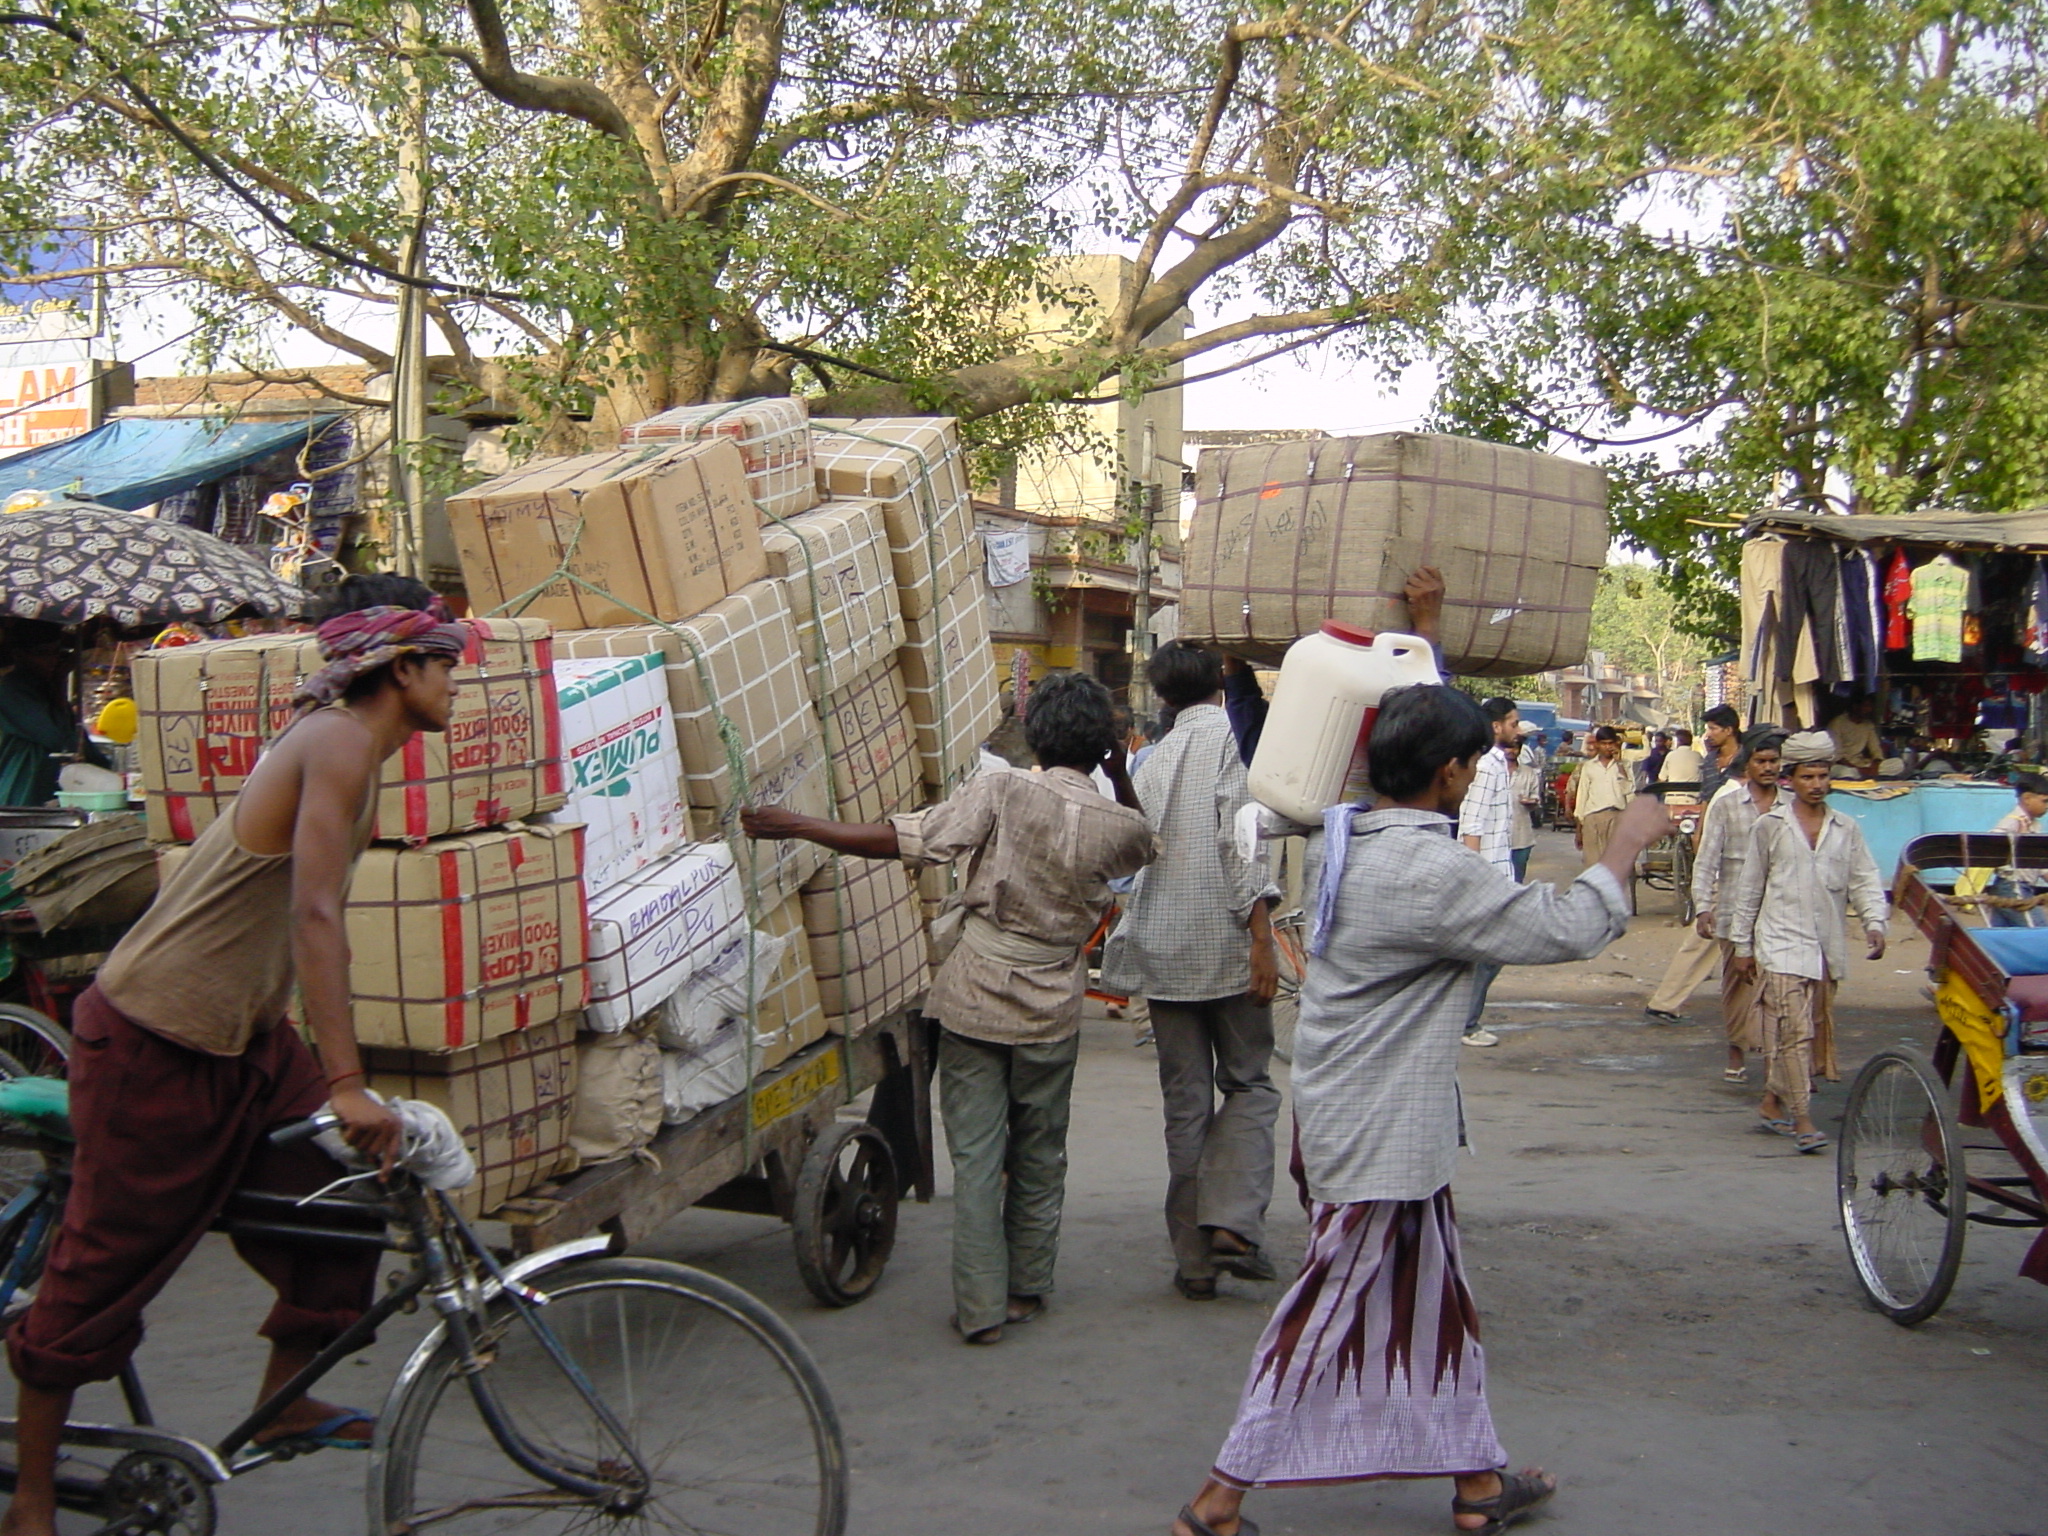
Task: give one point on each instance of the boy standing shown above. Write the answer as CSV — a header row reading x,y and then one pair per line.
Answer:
x,y
1806,860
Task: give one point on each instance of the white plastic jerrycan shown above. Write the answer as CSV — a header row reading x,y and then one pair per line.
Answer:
x,y
1312,751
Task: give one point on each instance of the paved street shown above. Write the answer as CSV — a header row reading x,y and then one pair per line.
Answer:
x,y
1671,1323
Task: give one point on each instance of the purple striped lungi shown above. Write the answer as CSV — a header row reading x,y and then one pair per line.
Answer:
x,y
1371,1366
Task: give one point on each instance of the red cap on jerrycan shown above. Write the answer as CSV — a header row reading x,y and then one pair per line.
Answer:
x,y
1351,634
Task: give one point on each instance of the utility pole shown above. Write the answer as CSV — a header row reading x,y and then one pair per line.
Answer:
x,y
1145,489
409,355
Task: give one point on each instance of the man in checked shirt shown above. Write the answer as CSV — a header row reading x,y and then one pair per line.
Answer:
x,y
1196,942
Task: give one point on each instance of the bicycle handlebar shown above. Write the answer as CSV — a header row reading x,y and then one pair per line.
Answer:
x,y
304,1130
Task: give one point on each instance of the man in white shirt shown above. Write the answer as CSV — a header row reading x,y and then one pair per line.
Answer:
x,y
1486,825
1598,793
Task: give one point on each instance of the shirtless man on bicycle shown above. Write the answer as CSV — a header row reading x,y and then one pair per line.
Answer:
x,y
180,1067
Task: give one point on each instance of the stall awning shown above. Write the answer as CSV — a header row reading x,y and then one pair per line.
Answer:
x,y
135,461
2022,531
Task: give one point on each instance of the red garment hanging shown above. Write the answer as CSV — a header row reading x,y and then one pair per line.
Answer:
x,y
1898,592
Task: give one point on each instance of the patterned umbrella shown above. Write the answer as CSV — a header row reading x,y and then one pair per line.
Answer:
x,y
72,561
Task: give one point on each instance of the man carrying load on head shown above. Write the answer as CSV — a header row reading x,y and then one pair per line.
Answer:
x,y
184,1061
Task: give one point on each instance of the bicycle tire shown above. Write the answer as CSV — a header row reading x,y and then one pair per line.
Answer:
x,y
1901,1186
35,1041
752,1444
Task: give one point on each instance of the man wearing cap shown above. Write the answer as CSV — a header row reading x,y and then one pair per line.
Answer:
x,y
184,1063
1806,861
1599,791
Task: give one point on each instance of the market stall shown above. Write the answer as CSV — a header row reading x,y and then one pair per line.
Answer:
x,y
1939,620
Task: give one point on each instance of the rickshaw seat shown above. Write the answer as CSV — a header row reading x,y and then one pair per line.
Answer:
x,y
2018,951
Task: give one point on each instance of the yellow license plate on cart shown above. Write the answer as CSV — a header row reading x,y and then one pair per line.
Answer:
x,y
795,1090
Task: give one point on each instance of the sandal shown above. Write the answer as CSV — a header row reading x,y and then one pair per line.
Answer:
x,y
1200,1527
1735,1074
325,1436
1521,1493
1812,1141
1247,1263
1195,1290
993,1334
1776,1127
1033,1309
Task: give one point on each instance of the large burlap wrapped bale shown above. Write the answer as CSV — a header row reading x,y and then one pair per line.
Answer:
x,y
618,1095
511,1099
207,711
914,468
835,567
1289,534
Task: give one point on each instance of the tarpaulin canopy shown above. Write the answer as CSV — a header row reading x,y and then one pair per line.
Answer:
x,y
134,461
2022,531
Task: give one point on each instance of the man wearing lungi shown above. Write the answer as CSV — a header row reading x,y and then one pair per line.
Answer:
x,y
184,1062
1716,876
1806,861
1371,1366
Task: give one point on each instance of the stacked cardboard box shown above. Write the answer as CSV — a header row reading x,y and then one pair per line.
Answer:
x,y
841,589
623,772
772,436
867,941
207,711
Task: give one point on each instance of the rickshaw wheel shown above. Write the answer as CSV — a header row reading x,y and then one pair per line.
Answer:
x,y
1902,1186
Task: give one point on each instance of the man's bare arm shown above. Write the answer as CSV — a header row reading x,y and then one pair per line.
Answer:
x,y
332,786
866,840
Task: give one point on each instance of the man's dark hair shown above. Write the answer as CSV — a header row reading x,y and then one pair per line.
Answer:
x,y
1184,674
1684,738
1722,716
1069,721
374,589
1566,738
2029,784
1605,733
1760,738
1419,729
1498,708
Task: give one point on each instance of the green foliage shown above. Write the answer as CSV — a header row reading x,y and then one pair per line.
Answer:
x,y
1633,629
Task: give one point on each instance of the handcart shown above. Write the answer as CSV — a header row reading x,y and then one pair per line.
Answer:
x,y
777,1149
1928,1146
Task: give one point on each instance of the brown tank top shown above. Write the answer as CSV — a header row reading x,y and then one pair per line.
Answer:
x,y
210,963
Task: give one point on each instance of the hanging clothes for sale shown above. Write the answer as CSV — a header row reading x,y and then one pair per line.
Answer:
x,y
2035,640
1898,598
1973,607
1806,612
1941,590
1763,573
1862,618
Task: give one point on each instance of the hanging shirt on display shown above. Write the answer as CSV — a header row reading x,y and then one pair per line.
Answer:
x,y
1898,596
1862,617
1940,591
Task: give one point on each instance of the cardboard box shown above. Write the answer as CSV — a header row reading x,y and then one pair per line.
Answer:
x,y
656,929
737,659
512,1099
949,674
772,872
207,711
788,1014
464,939
772,435
913,466
841,589
867,941
1286,535
871,741
623,770
669,531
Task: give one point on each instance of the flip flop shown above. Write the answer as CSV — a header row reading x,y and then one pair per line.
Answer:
x,y
993,1334
1812,1141
1521,1494
1775,1127
1031,1314
1735,1074
1201,1527
324,1436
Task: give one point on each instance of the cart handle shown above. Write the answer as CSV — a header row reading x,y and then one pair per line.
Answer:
x,y
1974,850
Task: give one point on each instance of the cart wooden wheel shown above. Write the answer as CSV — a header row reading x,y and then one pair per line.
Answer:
x,y
844,1214
1902,1184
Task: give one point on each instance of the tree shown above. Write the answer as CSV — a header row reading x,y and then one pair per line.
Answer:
x,y
645,202
1632,628
1812,272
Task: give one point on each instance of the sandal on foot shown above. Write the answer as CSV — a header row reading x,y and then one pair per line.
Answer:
x,y
1195,1290
325,1436
1034,1308
1735,1074
1812,1141
1200,1527
1521,1493
993,1334
1776,1127
1249,1263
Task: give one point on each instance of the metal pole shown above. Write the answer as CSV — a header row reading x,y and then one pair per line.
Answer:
x,y
1147,490
409,371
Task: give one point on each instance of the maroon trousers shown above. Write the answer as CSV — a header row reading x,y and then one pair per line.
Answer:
x,y
165,1135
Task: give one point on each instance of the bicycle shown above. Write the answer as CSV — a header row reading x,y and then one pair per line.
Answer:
x,y
567,1388
1289,949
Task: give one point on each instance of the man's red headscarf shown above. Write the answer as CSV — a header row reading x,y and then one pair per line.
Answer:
x,y
355,644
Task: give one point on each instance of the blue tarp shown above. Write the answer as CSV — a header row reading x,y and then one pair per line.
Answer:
x,y
134,462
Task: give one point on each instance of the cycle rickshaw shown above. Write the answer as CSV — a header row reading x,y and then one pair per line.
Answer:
x,y
1929,1146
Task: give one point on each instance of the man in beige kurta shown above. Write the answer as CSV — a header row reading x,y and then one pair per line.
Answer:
x,y
1037,851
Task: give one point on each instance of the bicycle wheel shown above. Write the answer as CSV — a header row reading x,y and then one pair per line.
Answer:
x,y
1901,1182
1287,997
725,1407
36,1043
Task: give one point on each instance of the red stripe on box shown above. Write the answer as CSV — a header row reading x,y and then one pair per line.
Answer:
x,y
413,762
179,809
553,776
457,1007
